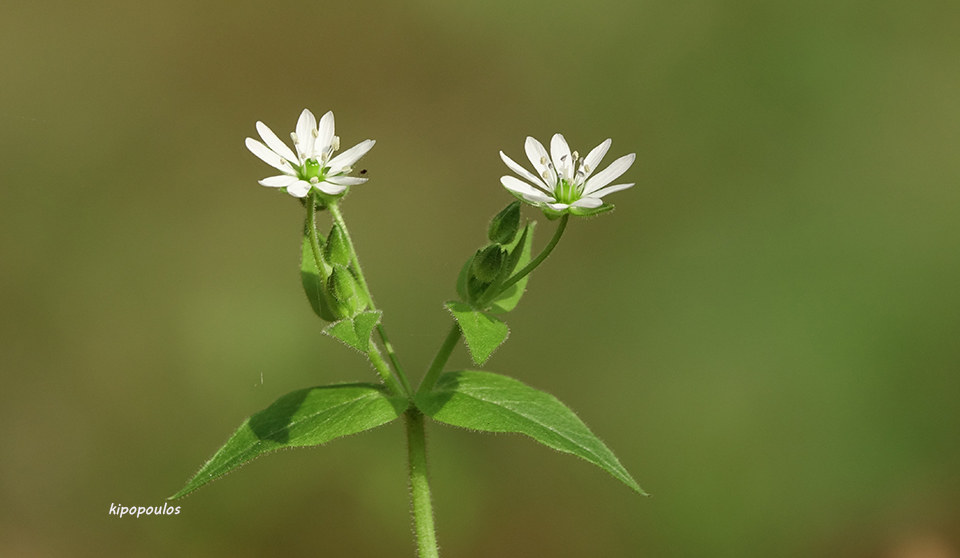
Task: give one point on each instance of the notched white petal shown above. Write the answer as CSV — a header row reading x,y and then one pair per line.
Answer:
x,y
274,143
352,155
593,158
280,181
331,189
346,180
540,160
610,189
609,174
515,167
560,153
324,133
299,189
306,128
267,155
589,202
528,192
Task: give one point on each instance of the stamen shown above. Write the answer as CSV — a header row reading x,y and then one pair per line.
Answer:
x,y
586,167
543,160
576,156
293,136
336,143
315,132
546,175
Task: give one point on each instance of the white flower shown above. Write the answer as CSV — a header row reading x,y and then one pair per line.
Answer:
x,y
563,180
310,165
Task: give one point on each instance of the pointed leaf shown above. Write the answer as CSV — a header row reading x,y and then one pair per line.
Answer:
x,y
313,282
306,417
483,332
355,331
495,403
520,252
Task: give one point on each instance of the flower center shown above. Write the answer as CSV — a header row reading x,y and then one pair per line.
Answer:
x,y
567,191
312,171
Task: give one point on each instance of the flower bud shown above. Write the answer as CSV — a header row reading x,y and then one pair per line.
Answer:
x,y
344,293
504,226
487,263
336,251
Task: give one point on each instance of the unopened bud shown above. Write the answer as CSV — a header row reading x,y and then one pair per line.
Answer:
x,y
337,251
504,226
487,263
345,293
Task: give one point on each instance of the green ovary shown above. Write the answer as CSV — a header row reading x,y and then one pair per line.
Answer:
x,y
566,192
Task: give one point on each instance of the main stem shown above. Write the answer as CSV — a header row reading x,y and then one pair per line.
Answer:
x,y
420,487
334,208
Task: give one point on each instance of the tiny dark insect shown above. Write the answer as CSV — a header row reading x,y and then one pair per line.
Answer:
x,y
364,171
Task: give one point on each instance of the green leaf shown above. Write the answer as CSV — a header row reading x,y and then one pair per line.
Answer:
x,y
495,403
355,331
520,252
313,282
483,332
306,417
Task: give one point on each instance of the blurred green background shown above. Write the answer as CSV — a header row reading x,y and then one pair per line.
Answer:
x,y
765,331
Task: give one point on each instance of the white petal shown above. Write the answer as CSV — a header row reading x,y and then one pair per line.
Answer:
x,y
609,190
324,134
306,126
299,189
345,180
281,181
523,172
267,156
557,206
587,202
274,143
528,192
331,189
351,156
609,174
539,158
595,156
560,153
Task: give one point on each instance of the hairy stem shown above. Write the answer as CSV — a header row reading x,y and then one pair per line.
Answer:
x,y
443,355
420,486
334,208
542,256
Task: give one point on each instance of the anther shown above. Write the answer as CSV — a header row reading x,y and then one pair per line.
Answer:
x,y
336,143
585,167
315,132
543,160
314,180
293,136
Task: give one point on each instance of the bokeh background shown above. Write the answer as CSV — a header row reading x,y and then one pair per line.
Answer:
x,y
765,330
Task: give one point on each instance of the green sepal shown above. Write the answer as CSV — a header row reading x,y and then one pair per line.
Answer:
x,y
590,211
482,332
314,282
495,403
336,249
356,331
488,262
306,417
520,253
503,227
345,293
